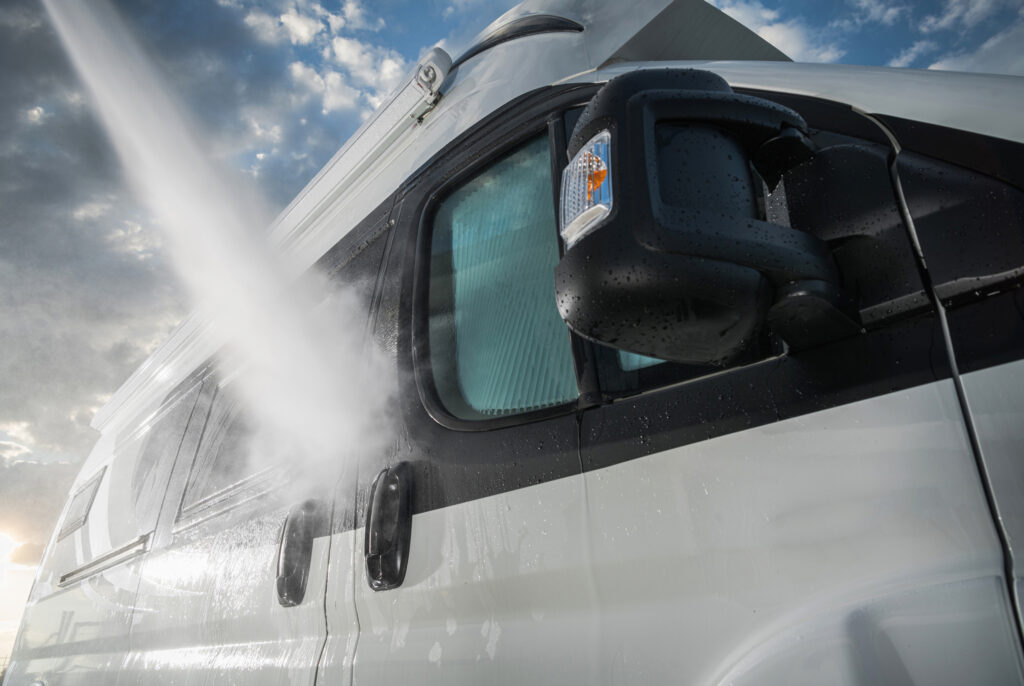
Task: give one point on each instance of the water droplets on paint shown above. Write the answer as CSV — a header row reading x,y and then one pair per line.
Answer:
x,y
307,381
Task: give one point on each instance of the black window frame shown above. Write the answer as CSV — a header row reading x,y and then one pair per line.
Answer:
x,y
540,112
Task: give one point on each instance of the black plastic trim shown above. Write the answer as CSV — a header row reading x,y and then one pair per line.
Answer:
x,y
990,332
902,356
524,26
996,157
827,115
388,507
295,550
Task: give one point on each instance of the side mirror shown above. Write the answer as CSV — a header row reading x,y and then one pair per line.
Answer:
x,y
667,252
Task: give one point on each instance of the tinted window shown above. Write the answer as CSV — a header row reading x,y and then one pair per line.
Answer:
x,y
497,343
223,457
152,470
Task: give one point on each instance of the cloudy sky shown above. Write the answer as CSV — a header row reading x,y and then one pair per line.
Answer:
x,y
86,290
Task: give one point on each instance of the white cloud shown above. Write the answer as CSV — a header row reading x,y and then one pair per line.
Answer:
x,y
17,432
791,36
1000,54
20,18
305,76
92,210
915,51
336,93
458,7
34,115
263,132
963,14
336,22
266,28
10,451
373,66
301,29
355,17
871,12
877,11
339,95
133,240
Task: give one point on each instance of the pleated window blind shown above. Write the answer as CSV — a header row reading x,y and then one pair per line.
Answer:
x,y
497,344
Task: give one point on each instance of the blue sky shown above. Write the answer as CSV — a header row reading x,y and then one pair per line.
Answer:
x,y
275,86
965,35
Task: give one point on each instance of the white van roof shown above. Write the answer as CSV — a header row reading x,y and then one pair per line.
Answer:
x,y
615,37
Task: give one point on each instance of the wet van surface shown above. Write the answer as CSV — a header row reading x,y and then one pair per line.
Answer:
x,y
708,371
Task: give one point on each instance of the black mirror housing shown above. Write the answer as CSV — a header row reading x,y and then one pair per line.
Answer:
x,y
684,267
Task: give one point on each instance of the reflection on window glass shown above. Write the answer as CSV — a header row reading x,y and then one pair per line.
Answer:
x,y
497,344
78,509
224,454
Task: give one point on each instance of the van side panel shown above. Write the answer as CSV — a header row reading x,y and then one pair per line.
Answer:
x,y
208,611
852,545
78,617
996,397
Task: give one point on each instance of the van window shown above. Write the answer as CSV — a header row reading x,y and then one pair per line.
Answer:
x,y
497,344
153,467
223,456
78,509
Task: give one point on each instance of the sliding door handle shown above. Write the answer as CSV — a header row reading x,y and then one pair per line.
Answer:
x,y
295,553
388,527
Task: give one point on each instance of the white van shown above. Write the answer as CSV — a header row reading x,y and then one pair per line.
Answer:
x,y
778,441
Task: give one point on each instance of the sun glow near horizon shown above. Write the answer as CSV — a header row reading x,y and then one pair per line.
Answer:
x,y
15,584
7,546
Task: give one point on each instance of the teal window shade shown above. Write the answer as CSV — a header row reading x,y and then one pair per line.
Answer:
x,y
497,344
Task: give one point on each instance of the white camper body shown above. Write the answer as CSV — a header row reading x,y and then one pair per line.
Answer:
x,y
845,513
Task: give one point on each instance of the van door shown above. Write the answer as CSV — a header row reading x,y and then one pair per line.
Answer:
x,y
207,609
965,193
802,517
484,576
234,588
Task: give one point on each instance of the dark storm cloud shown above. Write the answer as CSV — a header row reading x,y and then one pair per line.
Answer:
x,y
69,278
81,304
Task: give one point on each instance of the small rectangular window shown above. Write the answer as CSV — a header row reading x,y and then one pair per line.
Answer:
x,y
497,344
81,502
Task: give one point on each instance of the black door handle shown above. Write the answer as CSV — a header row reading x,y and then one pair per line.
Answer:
x,y
296,551
389,527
